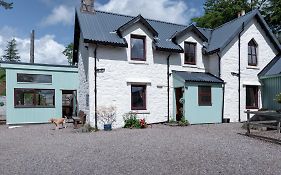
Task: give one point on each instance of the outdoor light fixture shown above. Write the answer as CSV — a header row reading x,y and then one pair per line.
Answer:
x,y
235,74
101,70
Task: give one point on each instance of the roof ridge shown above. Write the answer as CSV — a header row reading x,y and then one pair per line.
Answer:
x,y
252,11
114,13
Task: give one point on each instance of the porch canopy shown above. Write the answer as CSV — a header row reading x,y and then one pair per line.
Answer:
x,y
198,77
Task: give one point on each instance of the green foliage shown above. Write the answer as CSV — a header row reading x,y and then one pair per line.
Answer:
x,y
68,52
2,78
6,5
183,122
218,12
131,121
2,104
11,52
278,98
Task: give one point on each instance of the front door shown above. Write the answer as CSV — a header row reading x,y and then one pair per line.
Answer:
x,y
179,105
68,103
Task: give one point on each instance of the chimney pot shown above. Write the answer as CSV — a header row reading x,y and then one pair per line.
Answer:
x,y
87,6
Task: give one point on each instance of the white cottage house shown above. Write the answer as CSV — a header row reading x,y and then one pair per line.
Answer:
x,y
146,66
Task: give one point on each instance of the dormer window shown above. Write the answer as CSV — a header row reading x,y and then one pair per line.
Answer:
x,y
138,48
252,53
189,53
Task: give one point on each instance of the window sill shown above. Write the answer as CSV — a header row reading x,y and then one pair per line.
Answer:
x,y
34,83
190,65
19,107
140,111
138,62
253,67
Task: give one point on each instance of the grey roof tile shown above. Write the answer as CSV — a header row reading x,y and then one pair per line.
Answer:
x,y
101,27
272,68
198,77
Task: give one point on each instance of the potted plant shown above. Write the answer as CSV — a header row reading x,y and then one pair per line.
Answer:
x,y
278,100
107,115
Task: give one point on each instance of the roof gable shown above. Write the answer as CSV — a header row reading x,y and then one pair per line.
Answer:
x,y
272,68
224,34
138,19
188,29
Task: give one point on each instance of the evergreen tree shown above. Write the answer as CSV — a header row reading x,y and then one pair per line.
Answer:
x,y
11,52
68,52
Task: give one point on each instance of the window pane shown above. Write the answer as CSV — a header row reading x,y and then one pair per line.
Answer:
x,y
137,48
34,78
204,95
190,51
138,94
34,98
251,97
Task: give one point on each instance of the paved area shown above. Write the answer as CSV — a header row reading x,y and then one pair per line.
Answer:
x,y
198,149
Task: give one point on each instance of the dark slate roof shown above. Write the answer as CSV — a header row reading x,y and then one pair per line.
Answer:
x,y
221,36
188,29
101,27
272,68
198,77
135,20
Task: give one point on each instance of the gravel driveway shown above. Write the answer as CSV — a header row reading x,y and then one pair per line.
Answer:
x,y
198,149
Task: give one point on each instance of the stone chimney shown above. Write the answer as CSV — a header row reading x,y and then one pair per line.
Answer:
x,y
87,6
241,13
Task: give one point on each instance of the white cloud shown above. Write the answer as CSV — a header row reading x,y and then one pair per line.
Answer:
x,y
60,15
47,50
175,11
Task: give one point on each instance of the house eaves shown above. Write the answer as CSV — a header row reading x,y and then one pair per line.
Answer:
x,y
191,28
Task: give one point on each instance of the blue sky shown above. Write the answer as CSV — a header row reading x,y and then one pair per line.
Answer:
x,y
53,21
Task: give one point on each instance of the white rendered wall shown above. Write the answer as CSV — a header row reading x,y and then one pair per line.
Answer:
x,y
114,85
229,64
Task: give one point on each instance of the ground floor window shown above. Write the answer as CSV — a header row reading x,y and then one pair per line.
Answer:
x,y
138,97
34,98
252,97
204,95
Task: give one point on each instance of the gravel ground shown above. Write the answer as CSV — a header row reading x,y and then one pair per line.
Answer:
x,y
197,149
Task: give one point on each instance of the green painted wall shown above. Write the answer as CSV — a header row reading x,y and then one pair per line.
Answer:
x,y
196,114
63,78
270,87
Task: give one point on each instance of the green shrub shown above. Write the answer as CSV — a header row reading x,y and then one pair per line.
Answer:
x,y
183,122
278,98
2,104
131,121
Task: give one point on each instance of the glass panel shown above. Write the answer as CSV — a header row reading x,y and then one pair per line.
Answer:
x,y
34,98
138,97
190,51
137,48
252,96
34,78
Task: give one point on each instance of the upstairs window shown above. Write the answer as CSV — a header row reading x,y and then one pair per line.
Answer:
x,y
252,97
138,97
189,53
138,48
204,95
252,53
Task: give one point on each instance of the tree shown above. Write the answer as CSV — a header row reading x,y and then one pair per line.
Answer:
x,y
68,52
6,5
218,12
11,52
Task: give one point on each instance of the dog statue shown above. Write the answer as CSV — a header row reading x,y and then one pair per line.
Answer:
x,y
58,122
